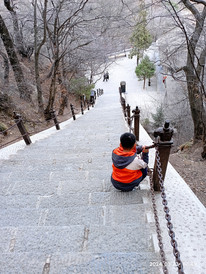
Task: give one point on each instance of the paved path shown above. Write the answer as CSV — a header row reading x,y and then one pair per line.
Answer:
x,y
187,213
58,210
60,214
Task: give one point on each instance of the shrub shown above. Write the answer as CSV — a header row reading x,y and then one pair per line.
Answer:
x,y
3,127
81,86
145,70
158,117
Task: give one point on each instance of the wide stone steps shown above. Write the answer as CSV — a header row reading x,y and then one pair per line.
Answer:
x,y
59,212
80,262
72,199
78,215
77,249
77,238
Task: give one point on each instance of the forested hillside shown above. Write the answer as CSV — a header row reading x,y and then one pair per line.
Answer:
x,y
51,50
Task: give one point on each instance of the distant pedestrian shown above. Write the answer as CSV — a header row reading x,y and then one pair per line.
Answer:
x,y
106,76
128,168
92,96
164,80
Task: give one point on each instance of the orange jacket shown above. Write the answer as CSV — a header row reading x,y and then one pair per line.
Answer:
x,y
121,160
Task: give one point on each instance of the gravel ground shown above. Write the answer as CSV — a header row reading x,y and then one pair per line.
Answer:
x,y
192,168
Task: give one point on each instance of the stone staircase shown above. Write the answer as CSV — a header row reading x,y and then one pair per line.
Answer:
x,y
59,212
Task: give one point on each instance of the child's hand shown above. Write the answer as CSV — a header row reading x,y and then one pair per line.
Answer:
x,y
145,150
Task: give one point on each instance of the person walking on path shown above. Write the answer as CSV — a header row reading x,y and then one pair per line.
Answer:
x,y
92,96
106,76
128,168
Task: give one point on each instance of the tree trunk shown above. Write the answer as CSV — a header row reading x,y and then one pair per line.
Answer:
x,y
52,92
144,83
137,59
6,69
18,73
37,49
198,111
63,101
204,148
39,89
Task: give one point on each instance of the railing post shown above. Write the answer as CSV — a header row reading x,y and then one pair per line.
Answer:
x,y
87,104
164,143
120,92
123,102
124,106
128,115
54,117
72,110
82,108
21,127
136,122
123,86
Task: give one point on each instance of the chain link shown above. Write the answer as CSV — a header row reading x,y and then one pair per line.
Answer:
x,y
131,129
157,224
167,215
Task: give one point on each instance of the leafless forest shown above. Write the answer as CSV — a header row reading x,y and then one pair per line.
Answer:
x,y
50,52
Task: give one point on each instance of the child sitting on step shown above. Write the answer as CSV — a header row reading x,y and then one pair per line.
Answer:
x,y
128,168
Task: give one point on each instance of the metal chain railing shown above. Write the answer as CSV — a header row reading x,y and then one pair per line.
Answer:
x,y
10,142
4,132
168,219
132,121
157,224
135,117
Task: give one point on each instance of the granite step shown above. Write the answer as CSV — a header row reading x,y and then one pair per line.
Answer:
x,y
64,200
78,215
81,262
76,238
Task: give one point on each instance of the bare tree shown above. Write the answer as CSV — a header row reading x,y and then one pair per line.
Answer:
x,y
23,50
88,31
14,61
195,62
184,56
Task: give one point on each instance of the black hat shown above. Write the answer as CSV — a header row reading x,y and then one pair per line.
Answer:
x,y
127,140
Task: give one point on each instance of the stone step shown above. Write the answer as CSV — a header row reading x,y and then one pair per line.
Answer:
x,y
76,238
57,163
80,262
65,200
49,185
46,181
78,215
